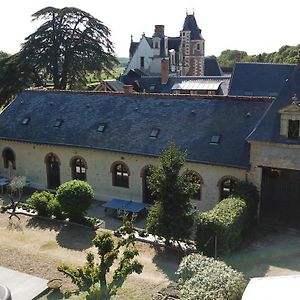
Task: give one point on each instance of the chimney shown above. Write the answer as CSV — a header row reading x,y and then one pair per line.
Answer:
x,y
164,71
238,56
128,89
160,29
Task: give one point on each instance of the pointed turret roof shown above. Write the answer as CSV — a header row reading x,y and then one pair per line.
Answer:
x,y
190,24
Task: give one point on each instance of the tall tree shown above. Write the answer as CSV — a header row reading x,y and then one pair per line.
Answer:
x,y
67,45
171,216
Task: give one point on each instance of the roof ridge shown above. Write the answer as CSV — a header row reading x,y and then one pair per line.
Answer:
x,y
157,95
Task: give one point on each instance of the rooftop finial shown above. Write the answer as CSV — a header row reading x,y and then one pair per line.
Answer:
x,y
193,11
131,38
187,12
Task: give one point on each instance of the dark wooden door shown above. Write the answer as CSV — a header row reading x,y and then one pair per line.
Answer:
x,y
280,196
53,172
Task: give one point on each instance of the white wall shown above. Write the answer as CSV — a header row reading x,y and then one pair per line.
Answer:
x,y
30,161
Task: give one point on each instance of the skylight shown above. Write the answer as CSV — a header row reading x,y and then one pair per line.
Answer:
x,y
25,121
101,127
154,133
58,123
215,139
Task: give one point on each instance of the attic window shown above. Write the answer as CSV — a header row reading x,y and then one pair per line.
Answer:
x,y
215,139
25,121
101,127
58,123
154,133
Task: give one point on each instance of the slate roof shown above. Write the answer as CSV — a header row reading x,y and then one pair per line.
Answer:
x,y
174,43
133,47
190,122
211,67
190,24
115,85
259,79
268,130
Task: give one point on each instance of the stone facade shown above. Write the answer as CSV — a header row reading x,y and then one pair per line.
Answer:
x,y
30,162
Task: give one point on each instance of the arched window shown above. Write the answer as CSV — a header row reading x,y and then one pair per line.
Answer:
x,y
227,185
53,170
120,174
147,194
195,178
78,167
9,158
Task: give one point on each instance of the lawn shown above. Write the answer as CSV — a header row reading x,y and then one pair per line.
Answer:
x,y
37,247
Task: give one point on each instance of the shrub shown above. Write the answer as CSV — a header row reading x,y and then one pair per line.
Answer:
x,y
39,201
75,197
202,277
54,208
226,221
248,192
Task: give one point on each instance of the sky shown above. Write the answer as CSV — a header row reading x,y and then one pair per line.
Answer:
x,y
254,26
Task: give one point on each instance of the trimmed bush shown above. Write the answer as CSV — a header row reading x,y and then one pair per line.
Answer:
x,y
39,202
202,277
54,208
226,221
75,198
248,192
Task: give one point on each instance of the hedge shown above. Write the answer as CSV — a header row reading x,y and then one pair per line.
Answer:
x,y
226,221
39,201
202,277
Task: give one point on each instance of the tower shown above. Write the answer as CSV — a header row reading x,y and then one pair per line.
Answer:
x,y
191,50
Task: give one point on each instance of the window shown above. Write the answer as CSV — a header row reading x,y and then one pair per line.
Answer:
x,y
194,177
215,139
293,129
79,167
120,174
58,123
156,44
25,121
9,158
101,127
154,133
142,61
227,187
198,46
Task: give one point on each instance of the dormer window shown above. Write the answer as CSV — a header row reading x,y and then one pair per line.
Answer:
x,y
25,121
154,133
58,123
290,121
293,129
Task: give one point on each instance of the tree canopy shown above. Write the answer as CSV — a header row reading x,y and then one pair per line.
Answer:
x,y
171,216
68,44
285,55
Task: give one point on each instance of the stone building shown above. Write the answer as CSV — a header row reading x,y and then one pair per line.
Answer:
x,y
185,54
110,140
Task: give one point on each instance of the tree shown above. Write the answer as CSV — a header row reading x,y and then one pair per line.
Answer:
x,y
16,187
3,55
92,277
75,198
171,216
67,45
16,75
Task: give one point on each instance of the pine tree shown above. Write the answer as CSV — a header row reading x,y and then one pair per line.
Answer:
x,y
171,216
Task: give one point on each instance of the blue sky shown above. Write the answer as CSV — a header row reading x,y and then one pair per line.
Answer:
x,y
254,26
